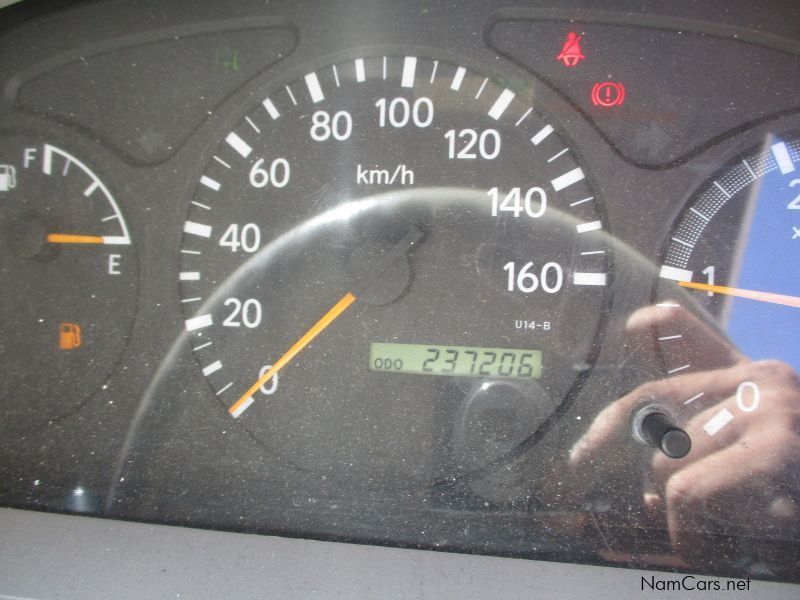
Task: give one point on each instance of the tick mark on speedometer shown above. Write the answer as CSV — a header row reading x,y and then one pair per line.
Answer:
x,y
589,278
542,134
222,162
480,89
200,322
197,229
238,144
582,201
458,78
433,71
212,368
501,104
314,88
409,71
210,183
567,179
252,124
291,95
587,227
555,156
523,117
270,107
360,71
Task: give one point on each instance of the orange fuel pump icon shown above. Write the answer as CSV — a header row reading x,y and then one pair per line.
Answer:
x,y
69,336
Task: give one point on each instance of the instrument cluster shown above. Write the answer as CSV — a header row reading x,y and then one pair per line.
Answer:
x,y
515,281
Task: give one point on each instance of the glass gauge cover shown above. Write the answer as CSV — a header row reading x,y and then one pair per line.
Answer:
x,y
384,203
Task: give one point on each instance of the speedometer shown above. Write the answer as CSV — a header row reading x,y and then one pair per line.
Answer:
x,y
393,268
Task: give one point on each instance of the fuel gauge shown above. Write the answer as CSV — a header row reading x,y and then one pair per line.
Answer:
x,y
69,273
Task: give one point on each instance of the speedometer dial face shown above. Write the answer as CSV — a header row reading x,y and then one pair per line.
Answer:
x,y
393,269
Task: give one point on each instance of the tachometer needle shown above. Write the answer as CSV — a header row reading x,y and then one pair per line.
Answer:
x,y
408,240
750,294
66,238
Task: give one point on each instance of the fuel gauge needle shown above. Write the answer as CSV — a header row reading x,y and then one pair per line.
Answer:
x,y
793,301
67,238
395,252
71,238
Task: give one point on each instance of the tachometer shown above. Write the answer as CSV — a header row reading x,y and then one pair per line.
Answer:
x,y
732,252
393,268
724,320
734,245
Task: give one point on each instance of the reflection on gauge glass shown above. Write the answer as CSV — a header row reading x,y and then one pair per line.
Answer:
x,y
735,245
390,206
69,268
728,298
730,258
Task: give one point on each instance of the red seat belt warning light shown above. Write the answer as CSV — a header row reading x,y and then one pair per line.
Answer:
x,y
571,53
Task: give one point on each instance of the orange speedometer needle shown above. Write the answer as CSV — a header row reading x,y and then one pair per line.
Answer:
x,y
751,294
409,239
337,309
67,238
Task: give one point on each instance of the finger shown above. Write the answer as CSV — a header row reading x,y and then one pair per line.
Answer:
x,y
612,423
612,426
701,345
740,489
722,423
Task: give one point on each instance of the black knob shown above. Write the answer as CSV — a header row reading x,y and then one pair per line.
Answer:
x,y
659,430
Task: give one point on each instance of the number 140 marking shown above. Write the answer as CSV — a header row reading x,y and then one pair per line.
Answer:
x,y
534,204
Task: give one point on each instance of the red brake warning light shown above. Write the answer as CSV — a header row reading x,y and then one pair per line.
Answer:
x,y
608,94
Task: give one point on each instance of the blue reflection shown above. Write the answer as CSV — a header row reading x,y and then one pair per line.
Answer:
x,y
769,263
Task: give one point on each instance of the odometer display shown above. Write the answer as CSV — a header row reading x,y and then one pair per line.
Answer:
x,y
455,361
